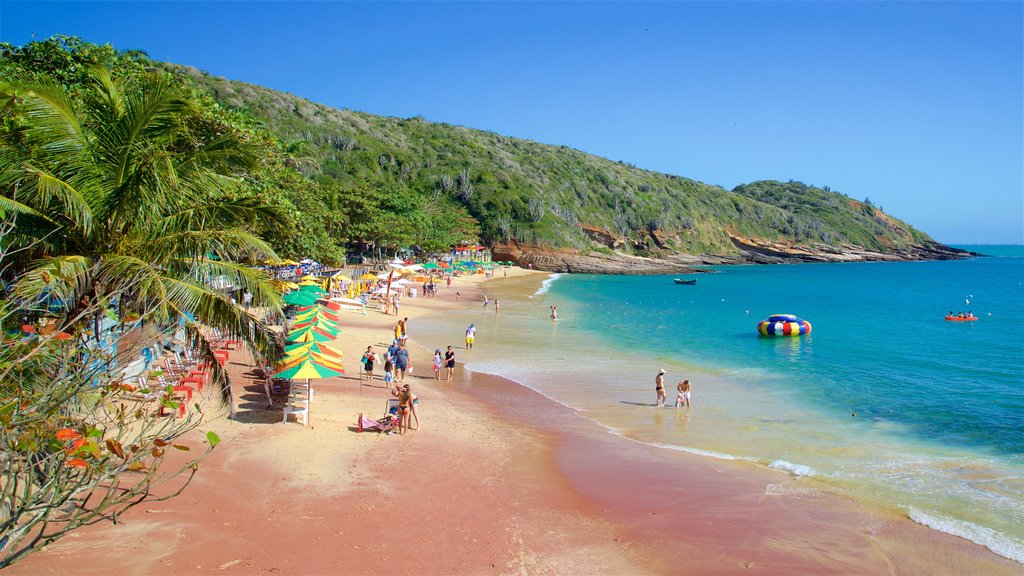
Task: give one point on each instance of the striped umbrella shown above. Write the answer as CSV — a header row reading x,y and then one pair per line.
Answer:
x,y
307,369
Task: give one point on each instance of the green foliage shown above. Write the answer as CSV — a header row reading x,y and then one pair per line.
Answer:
x,y
344,177
128,189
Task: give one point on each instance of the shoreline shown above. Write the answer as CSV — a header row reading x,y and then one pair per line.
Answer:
x,y
538,487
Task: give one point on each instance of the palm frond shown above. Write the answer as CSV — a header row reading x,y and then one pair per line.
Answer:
x,y
52,122
183,244
65,278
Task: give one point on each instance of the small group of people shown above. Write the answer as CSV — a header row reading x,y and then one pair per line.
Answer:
x,y
969,314
396,362
447,362
682,390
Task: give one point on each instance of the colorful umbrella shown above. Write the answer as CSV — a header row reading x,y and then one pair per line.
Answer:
x,y
297,348
311,335
301,298
368,276
318,313
308,369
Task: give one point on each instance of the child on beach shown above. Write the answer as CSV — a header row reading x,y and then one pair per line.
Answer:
x,y
683,389
437,363
389,372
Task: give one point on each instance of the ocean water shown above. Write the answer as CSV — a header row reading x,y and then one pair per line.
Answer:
x,y
884,402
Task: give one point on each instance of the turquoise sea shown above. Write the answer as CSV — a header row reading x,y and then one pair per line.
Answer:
x,y
884,402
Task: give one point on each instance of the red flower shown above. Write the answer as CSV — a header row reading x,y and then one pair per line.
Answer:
x,y
67,434
77,463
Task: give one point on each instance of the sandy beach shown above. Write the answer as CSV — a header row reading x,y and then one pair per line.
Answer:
x,y
497,480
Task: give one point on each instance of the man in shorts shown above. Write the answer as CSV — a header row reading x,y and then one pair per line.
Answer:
x,y
470,336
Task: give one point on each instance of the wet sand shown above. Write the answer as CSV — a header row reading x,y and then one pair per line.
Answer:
x,y
498,479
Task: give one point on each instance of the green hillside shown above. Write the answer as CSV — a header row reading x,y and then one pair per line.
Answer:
x,y
350,180
540,194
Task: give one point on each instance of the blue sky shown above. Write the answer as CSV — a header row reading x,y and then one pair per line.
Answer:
x,y
918,106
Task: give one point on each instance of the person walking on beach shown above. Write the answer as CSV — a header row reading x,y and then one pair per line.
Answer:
x,y
554,313
449,363
402,361
497,307
470,336
438,362
683,396
368,358
659,387
486,301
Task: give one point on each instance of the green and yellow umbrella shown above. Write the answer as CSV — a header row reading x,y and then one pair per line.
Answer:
x,y
300,298
311,335
308,369
300,348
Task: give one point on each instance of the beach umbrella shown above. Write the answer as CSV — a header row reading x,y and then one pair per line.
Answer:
x,y
314,288
308,369
332,362
309,278
324,313
431,266
292,350
310,335
368,276
326,325
329,330
300,298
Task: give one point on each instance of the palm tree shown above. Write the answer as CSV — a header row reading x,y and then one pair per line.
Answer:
x,y
134,190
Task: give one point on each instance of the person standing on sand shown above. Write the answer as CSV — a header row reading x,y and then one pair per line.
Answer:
x,y
449,363
497,306
413,401
470,336
486,301
659,387
404,406
402,361
368,359
438,362
683,395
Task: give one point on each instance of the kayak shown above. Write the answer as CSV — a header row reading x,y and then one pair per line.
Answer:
x,y
961,318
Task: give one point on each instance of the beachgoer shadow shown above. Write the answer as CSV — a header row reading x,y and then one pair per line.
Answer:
x,y
637,403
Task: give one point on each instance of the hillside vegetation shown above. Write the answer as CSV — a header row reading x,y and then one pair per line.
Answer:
x,y
351,180
541,194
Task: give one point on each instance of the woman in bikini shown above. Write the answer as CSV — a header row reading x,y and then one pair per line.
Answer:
x,y
404,406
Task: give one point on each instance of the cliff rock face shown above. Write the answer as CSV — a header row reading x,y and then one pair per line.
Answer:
x,y
767,252
569,260
749,251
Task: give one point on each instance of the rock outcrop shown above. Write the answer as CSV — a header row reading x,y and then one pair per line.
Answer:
x,y
748,251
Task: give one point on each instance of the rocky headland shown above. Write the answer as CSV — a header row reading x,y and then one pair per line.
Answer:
x,y
748,251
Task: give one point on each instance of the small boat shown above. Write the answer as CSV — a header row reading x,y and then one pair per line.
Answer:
x,y
961,318
687,282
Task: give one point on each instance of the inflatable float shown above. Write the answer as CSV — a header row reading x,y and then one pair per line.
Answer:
x,y
784,325
961,318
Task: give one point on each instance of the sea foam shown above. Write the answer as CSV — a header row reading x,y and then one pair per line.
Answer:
x,y
796,470
546,285
981,535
